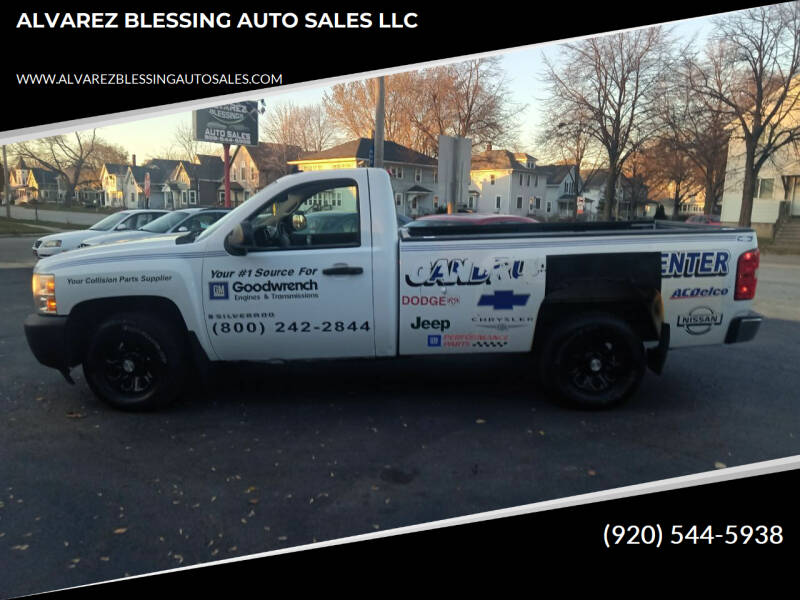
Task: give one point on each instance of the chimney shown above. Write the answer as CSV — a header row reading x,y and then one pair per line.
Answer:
x,y
133,159
489,147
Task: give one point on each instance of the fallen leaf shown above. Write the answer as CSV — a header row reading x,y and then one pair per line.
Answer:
x,y
75,415
76,560
252,488
720,465
105,558
480,421
120,530
20,547
253,501
591,472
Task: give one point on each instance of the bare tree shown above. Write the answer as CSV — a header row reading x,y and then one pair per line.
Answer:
x,y
468,99
186,147
697,128
308,127
749,75
566,140
615,79
669,172
67,155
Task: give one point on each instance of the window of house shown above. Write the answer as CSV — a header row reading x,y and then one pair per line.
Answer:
x,y
398,199
519,202
242,173
436,202
396,172
183,198
491,179
133,199
192,197
418,175
222,198
549,206
435,176
538,203
528,182
536,181
497,200
520,178
253,174
764,188
414,203
471,202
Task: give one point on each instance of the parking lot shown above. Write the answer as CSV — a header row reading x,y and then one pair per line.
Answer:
x,y
276,456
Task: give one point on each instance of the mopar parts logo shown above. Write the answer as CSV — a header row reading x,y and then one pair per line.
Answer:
x,y
699,320
503,300
440,324
694,264
218,290
682,293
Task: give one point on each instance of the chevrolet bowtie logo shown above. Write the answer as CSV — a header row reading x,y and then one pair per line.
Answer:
x,y
503,300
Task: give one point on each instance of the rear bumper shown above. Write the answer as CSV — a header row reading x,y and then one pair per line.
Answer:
x,y
743,329
46,335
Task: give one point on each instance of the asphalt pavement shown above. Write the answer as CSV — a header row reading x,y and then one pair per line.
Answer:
x,y
271,457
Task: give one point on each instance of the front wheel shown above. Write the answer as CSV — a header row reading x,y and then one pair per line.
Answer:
x,y
135,362
594,360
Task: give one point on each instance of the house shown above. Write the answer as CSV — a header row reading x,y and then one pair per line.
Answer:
x,y
255,167
506,182
173,183
414,176
777,190
559,195
631,196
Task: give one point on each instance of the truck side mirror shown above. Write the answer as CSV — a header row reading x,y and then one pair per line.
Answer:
x,y
299,222
240,239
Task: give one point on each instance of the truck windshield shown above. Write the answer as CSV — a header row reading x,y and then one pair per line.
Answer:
x,y
165,223
109,222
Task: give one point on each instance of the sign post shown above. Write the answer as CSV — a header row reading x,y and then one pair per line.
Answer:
x,y
235,123
147,190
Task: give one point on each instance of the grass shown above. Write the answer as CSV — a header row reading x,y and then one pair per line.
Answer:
x,y
15,227
77,209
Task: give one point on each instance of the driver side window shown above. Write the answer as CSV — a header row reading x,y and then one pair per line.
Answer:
x,y
312,215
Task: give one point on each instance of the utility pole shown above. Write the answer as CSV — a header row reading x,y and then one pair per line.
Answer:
x,y
379,118
5,183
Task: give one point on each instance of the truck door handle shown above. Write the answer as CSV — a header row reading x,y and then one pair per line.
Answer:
x,y
343,270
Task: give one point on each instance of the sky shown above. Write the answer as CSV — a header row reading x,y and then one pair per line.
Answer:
x,y
524,69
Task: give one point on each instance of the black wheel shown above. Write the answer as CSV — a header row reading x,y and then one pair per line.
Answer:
x,y
135,362
593,360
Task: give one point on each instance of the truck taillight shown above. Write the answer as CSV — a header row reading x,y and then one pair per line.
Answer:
x,y
746,275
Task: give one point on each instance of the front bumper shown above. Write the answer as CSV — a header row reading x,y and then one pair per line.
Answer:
x,y
743,329
46,335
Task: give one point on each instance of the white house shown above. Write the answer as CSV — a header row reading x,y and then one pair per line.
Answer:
x,y
506,182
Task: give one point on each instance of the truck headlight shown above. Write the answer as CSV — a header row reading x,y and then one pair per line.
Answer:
x,y
44,293
52,244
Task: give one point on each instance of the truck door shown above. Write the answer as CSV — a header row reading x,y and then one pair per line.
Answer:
x,y
304,289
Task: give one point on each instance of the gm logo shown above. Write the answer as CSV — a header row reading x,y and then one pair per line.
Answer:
x,y
503,300
218,290
434,340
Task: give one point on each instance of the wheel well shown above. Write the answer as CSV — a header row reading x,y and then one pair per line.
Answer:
x,y
86,316
642,309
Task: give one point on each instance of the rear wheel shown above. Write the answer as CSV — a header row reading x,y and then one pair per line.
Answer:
x,y
135,362
593,360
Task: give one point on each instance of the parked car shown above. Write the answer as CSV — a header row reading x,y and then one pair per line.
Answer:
x,y
705,220
461,219
175,222
124,220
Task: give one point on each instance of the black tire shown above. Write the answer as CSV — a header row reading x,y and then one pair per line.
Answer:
x,y
136,361
593,360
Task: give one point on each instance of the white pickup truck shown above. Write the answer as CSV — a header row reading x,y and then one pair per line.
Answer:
x,y
315,267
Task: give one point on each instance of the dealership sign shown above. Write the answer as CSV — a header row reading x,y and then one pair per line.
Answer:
x,y
235,124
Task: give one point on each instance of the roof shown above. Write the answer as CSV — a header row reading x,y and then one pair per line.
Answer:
x,y
418,188
116,168
360,149
207,166
498,159
267,155
555,173
44,176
